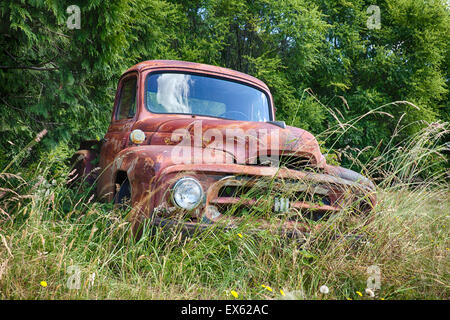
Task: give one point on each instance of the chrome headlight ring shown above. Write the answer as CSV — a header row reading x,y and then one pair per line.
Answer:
x,y
187,193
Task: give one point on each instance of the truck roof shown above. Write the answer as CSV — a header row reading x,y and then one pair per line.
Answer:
x,y
176,65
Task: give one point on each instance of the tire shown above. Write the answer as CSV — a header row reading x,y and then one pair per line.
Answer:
x,y
124,194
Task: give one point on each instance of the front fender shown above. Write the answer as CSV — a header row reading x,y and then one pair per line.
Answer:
x,y
367,186
350,175
143,165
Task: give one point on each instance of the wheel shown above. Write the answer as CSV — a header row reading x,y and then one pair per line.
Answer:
x,y
124,194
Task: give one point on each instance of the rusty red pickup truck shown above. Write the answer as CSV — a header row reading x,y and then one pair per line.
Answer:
x,y
193,145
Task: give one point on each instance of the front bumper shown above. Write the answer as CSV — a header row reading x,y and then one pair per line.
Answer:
x,y
193,228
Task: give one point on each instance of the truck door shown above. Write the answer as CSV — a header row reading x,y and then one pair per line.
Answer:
x,y
116,139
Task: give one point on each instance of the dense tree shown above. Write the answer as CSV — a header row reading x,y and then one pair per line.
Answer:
x,y
403,60
321,61
64,80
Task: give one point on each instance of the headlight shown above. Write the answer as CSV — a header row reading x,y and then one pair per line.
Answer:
x,y
187,193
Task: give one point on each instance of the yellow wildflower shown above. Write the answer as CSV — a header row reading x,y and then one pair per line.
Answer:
x,y
43,283
267,287
359,293
239,235
282,292
234,294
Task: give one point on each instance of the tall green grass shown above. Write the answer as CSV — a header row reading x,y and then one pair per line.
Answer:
x,y
47,227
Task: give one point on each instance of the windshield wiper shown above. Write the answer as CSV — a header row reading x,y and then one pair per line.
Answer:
x,y
280,124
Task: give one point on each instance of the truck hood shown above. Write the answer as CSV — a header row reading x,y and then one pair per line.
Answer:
x,y
256,138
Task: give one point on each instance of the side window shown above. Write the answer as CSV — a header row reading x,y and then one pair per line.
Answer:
x,y
127,99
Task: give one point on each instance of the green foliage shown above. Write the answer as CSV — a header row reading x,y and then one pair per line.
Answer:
x,y
321,62
403,60
64,80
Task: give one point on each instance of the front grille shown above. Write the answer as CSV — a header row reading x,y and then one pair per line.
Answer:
x,y
238,196
234,191
313,194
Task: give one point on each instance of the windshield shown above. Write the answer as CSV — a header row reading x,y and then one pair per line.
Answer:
x,y
183,93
